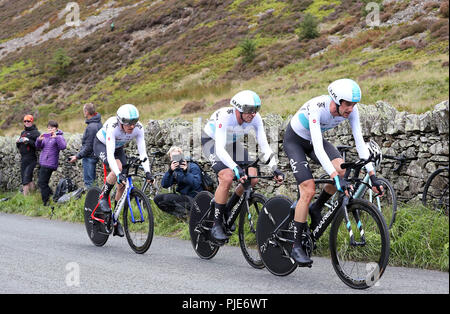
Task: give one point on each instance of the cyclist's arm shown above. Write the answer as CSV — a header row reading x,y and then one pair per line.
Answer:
x,y
317,141
110,149
261,137
361,147
142,149
221,152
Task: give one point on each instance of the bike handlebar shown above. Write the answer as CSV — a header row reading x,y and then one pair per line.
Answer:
x,y
400,159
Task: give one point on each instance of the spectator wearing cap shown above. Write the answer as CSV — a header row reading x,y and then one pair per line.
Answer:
x,y
26,144
51,143
86,153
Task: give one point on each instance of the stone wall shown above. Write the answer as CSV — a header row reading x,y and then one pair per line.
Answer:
x,y
422,136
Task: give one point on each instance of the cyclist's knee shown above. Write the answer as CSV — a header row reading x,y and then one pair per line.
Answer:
x,y
307,190
226,177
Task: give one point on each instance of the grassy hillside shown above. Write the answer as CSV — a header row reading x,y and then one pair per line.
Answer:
x,y
181,57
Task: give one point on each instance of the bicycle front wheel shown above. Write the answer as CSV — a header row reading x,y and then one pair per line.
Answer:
x,y
435,192
138,222
359,264
247,230
386,204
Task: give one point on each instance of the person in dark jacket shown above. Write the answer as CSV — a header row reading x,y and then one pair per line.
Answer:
x,y
26,144
86,153
51,143
187,177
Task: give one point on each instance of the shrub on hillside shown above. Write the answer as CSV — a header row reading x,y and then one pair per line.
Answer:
x,y
60,62
308,28
248,50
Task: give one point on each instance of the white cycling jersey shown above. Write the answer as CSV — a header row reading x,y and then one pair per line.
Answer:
x,y
314,118
224,128
113,136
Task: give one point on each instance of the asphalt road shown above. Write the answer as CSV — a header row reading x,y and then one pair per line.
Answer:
x,y
46,256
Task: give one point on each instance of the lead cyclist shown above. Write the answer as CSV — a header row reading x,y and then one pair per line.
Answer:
x,y
303,137
109,148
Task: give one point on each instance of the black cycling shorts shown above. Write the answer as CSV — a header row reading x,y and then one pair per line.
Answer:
x,y
100,152
297,148
236,150
26,170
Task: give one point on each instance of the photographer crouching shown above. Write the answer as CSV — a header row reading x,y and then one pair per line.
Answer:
x,y
187,177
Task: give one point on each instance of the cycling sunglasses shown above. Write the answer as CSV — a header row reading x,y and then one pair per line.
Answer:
x,y
27,121
129,121
250,109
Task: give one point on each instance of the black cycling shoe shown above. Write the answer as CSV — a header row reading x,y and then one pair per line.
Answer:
x,y
315,215
103,206
217,233
118,230
299,255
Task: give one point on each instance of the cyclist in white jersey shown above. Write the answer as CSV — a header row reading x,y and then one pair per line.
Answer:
x,y
109,148
220,144
303,137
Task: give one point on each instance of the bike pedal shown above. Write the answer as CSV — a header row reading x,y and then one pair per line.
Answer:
x,y
309,265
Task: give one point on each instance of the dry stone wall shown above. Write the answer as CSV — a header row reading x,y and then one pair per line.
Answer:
x,y
422,136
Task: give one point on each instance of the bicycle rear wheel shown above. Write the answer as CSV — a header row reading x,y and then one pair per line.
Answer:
x,y
94,228
275,251
248,219
199,229
387,203
435,192
138,221
359,266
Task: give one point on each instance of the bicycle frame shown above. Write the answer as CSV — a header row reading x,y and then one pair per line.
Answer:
x,y
120,204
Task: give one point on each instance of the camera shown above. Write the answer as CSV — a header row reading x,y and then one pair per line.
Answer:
x,y
178,158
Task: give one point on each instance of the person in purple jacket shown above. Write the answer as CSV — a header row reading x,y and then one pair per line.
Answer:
x,y
50,143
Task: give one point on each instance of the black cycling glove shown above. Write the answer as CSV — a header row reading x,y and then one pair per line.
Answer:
x,y
149,176
376,183
238,172
121,178
277,173
341,183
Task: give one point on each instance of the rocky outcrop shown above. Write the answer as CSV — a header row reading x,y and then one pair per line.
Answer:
x,y
424,137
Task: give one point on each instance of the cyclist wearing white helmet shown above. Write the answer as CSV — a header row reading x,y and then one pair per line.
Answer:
x,y
220,144
109,148
303,137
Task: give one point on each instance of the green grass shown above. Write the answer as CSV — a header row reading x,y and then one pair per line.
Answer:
x,y
419,237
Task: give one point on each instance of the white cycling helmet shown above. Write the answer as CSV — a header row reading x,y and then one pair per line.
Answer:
x,y
128,114
375,151
246,101
344,89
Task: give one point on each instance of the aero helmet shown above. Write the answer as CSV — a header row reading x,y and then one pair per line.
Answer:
x,y
127,114
246,101
375,151
344,89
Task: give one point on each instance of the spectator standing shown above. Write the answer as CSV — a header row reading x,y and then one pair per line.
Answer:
x,y
86,153
51,144
26,144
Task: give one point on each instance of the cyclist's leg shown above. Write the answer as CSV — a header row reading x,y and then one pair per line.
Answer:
x,y
225,178
295,151
329,189
100,151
